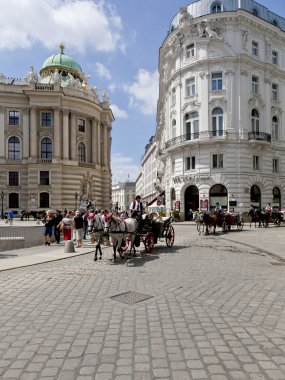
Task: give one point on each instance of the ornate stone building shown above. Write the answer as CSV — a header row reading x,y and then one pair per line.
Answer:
x,y
220,120
55,139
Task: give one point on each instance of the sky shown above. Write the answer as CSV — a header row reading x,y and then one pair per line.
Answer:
x,y
116,42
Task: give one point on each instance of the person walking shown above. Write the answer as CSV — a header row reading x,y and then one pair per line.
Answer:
x,y
85,225
48,224
78,224
66,227
57,220
11,216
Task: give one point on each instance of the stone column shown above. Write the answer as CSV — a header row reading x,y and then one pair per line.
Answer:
x,y
106,145
33,133
73,143
65,135
99,142
26,133
94,139
56,134
2,134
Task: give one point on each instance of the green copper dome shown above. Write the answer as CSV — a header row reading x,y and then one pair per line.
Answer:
x,y
61,65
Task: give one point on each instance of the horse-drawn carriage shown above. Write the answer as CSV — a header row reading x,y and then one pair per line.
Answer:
x,y
128,233
261,218
227,220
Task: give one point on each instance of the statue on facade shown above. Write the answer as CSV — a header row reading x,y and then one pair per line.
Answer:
x,y
55,77
2,78
244,39
31,77
185,20
210,31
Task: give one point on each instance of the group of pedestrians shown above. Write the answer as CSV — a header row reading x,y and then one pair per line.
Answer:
x,y
68,224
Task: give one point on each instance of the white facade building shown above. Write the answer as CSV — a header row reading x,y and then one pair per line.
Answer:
x,y
122,195
220,120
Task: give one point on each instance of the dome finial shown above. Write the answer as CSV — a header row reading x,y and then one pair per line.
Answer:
x,y
62,47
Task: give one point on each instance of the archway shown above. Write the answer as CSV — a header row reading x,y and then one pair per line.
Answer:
x,y
255,196
218,194
191,201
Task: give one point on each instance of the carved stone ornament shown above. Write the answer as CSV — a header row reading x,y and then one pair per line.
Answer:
x,y
185,21
211,29
276,111
256,101
2,78
244,38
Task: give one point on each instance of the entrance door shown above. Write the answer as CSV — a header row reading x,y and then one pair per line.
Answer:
x,y
191,201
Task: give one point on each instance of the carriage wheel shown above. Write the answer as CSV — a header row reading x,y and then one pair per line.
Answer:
x,y
240,224
149,242
224,226
169,236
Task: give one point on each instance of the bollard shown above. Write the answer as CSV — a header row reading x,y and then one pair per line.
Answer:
x,y
69,247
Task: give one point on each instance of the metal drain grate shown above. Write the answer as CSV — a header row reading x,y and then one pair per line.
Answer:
x,y
131,298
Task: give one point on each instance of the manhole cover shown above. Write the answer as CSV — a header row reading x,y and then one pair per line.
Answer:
x,y
131,297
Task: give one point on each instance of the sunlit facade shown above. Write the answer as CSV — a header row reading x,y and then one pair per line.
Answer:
x,y
220,120
55,139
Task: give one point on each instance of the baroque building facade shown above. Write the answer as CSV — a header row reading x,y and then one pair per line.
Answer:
x,y
220,121
55,139
123,194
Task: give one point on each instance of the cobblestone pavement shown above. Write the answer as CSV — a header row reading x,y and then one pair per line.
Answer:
x,y
206,309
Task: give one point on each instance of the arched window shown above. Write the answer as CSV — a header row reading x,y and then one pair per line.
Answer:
x,y
217,122
216,7
254,121
46,148
276,197
14,148
255,196
13,200
218,193
44,200
192,125
81,152
173,128
255,12
275,128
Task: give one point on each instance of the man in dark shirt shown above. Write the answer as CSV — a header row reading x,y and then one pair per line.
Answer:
x,y
57,220
78,223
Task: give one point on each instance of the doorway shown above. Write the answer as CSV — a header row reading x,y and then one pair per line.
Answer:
x,y
191,201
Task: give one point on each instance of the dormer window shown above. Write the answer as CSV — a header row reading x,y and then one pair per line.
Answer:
x,y
255,12
216,7
275,22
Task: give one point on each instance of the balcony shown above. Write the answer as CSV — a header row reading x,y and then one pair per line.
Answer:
x,y
259,136
44,87
204,136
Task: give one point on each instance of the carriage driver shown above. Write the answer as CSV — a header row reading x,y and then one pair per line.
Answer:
x,y
137,208
267,213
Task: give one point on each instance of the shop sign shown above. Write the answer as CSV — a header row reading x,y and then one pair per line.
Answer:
x,y
187,178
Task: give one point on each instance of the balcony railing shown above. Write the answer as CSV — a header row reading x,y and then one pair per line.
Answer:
x,y
201,136
260,136
44,87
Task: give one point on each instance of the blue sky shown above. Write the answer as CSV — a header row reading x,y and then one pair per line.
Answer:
x,y
116,42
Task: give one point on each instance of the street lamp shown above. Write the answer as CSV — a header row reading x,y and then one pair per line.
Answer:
x,y
2,211
76,197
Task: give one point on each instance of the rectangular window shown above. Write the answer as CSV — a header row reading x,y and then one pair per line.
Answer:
x,y
218,161
14,117
217,81
255,162
254,48
190,51
190,87
81,125
254,84
13,178
46,119
190,163
275,57
275,91
44,177
173,96
275,165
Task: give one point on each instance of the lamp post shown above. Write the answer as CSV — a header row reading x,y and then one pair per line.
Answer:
x,y
2,211
76,197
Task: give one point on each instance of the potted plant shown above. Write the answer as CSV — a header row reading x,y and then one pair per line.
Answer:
x,y
176,215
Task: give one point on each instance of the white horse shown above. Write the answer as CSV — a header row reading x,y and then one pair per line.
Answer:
x,y
96,230
119,230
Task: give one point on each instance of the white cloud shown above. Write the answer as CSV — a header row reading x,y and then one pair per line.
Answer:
x,y
144,92
123,168
102,71
118,112
80,24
